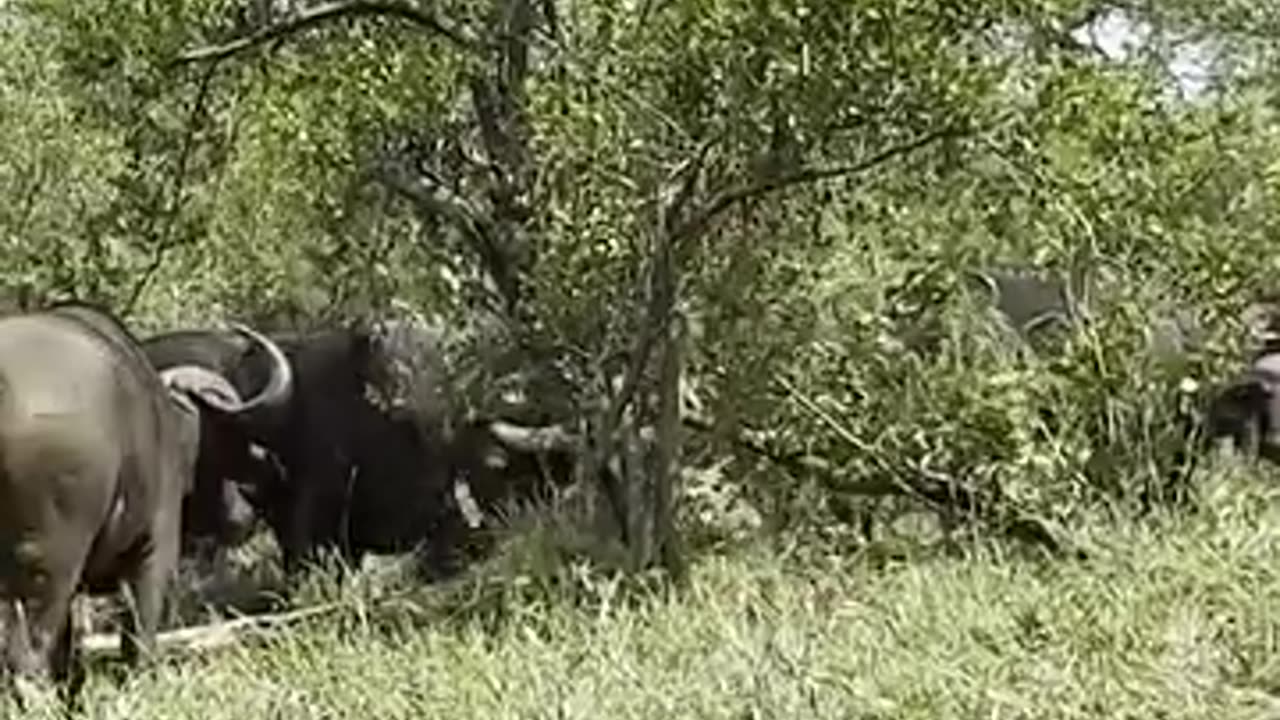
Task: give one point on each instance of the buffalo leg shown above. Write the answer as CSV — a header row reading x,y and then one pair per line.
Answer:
x,y
39,636
445,532
314,515
298,503
149,584
68,666
48,580
296,543
21,658
20,648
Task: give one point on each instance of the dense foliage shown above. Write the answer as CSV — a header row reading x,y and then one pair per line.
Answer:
x,y
827,175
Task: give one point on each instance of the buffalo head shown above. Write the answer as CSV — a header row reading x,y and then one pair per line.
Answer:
x,y
497,461
1247,412
229,463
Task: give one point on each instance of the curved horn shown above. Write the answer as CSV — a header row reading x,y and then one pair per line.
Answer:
x,y
280,383
218,393
534,439
209,386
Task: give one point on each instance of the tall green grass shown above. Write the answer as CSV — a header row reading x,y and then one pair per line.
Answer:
x,y
1174,617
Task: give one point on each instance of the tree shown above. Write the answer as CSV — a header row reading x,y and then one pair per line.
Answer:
x,y
768,204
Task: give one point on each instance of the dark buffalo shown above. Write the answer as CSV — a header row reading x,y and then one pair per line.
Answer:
x,y
96,458
1246,412
366,465
501,462
230,463
364,449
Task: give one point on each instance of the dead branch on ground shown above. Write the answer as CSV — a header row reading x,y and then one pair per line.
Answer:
x,y
210,636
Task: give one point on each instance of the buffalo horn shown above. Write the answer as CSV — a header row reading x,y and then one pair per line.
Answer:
x,y
211,387
550,438
280,383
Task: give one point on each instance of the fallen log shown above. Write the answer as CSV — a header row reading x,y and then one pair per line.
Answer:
x,y
211,636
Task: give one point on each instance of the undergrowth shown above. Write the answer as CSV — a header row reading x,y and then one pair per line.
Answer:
x,y
1176,616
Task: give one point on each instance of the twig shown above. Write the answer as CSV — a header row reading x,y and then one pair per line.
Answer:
x,y
203,637
164,240
691,169
727,200
929,496
659,306
434,200
314,16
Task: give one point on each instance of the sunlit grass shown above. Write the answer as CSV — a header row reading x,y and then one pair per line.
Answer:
x,y
1177,617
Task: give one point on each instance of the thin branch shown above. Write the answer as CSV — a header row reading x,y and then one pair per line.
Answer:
x,y
657,317
672,237
844,433
934,488
326,12
164,240
430,199
692,172
727,200
589,75
205,637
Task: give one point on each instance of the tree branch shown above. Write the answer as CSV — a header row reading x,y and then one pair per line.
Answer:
x,y
680,197
669,212
671,237
698,223
667,453
326,12
429,199
214,635
164,239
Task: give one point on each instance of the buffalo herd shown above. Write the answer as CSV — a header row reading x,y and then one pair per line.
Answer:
x,y
116,452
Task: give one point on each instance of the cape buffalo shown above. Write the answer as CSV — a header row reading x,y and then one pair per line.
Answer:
x,y
96,458
367,441
502,462
1028,300
364,470
229,463
1247,411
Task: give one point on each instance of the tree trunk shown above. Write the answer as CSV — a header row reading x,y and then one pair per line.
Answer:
x,y
666,474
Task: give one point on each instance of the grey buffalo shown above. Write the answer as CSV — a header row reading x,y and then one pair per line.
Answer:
x,y
1026,299
97,457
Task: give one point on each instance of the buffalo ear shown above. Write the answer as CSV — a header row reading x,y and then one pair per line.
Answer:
x,y
214,396
206,387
